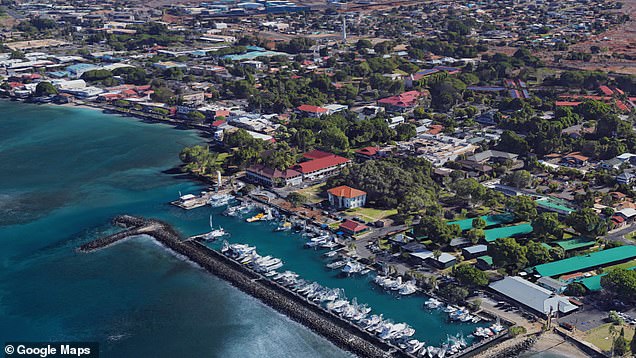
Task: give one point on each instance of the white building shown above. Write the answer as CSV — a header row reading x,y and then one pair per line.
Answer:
x,y
345,197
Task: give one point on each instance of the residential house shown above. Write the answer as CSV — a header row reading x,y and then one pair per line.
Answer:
x,y
625,178
403,102
311,111
575,159
367,153
345,197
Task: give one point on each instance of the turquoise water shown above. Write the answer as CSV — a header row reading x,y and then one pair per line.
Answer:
x,y
64,173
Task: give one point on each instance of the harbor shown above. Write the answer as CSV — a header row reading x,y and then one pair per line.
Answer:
x,y
376,328
338,331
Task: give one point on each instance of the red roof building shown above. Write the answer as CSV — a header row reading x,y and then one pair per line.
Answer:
x,y
367,153
401,102
351,227
312,111
320,164
272,177
346,197
606,90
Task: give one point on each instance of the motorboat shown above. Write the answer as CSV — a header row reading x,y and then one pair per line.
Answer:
x,y
256,217
336,264
218,200
352,267
433,303
408,288
285,226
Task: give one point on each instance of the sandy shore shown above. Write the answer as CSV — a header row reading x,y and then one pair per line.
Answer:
x,y
552,345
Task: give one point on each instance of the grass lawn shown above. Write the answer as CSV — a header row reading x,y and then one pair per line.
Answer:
x,y
370,214
624,265
313,193
597,336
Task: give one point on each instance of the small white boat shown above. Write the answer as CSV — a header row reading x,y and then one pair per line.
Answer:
x,y
218,200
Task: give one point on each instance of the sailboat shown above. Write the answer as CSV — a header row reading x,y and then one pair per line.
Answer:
x,y
214,233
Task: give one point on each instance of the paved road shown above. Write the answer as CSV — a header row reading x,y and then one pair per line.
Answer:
x,y
619,235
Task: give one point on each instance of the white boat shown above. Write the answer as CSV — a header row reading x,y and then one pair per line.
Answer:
x,y
450,309
336,264
329,245
214,233
218,200
433,303
331,253
352,267
414,346
408,288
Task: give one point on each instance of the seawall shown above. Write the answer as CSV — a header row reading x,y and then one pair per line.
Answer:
x,y
340,332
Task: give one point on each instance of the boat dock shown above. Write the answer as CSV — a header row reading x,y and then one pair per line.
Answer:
x,y
342,333
191,201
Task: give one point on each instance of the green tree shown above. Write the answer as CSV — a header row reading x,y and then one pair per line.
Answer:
x,y
475,235
196,116
405,131
512,142
509,254
436,229
547,226
470,276
199,160
620,282
518,179
45,89
575,289
296,199
96,75
522,207
537,254
587,222
453,293
469,190
333,139
479,223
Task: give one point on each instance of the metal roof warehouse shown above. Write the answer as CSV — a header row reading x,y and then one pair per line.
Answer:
x,y
587,262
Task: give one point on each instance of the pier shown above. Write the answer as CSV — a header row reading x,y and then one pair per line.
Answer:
x,y
339,331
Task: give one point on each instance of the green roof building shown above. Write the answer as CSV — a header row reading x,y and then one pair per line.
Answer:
x,y
507,231
491,220
587,262
576,243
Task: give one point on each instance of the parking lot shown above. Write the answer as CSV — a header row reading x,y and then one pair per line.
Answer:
x,y
589,317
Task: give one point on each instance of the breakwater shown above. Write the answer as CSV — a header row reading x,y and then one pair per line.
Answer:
x,y
340,332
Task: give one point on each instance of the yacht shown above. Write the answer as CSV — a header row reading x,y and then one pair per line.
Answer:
x,y
218,200
433,303
336,264
408,288
285,226
352,267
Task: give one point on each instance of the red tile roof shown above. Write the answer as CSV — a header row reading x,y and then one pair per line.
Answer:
x,y
321,163
368,151
406,99
606,90
352,226
311,109
435,129
567,104
316,154
346,192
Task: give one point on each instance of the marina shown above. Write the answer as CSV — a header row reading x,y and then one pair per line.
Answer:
x,y
350,276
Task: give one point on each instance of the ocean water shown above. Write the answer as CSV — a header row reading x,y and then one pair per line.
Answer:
x,y
64,172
